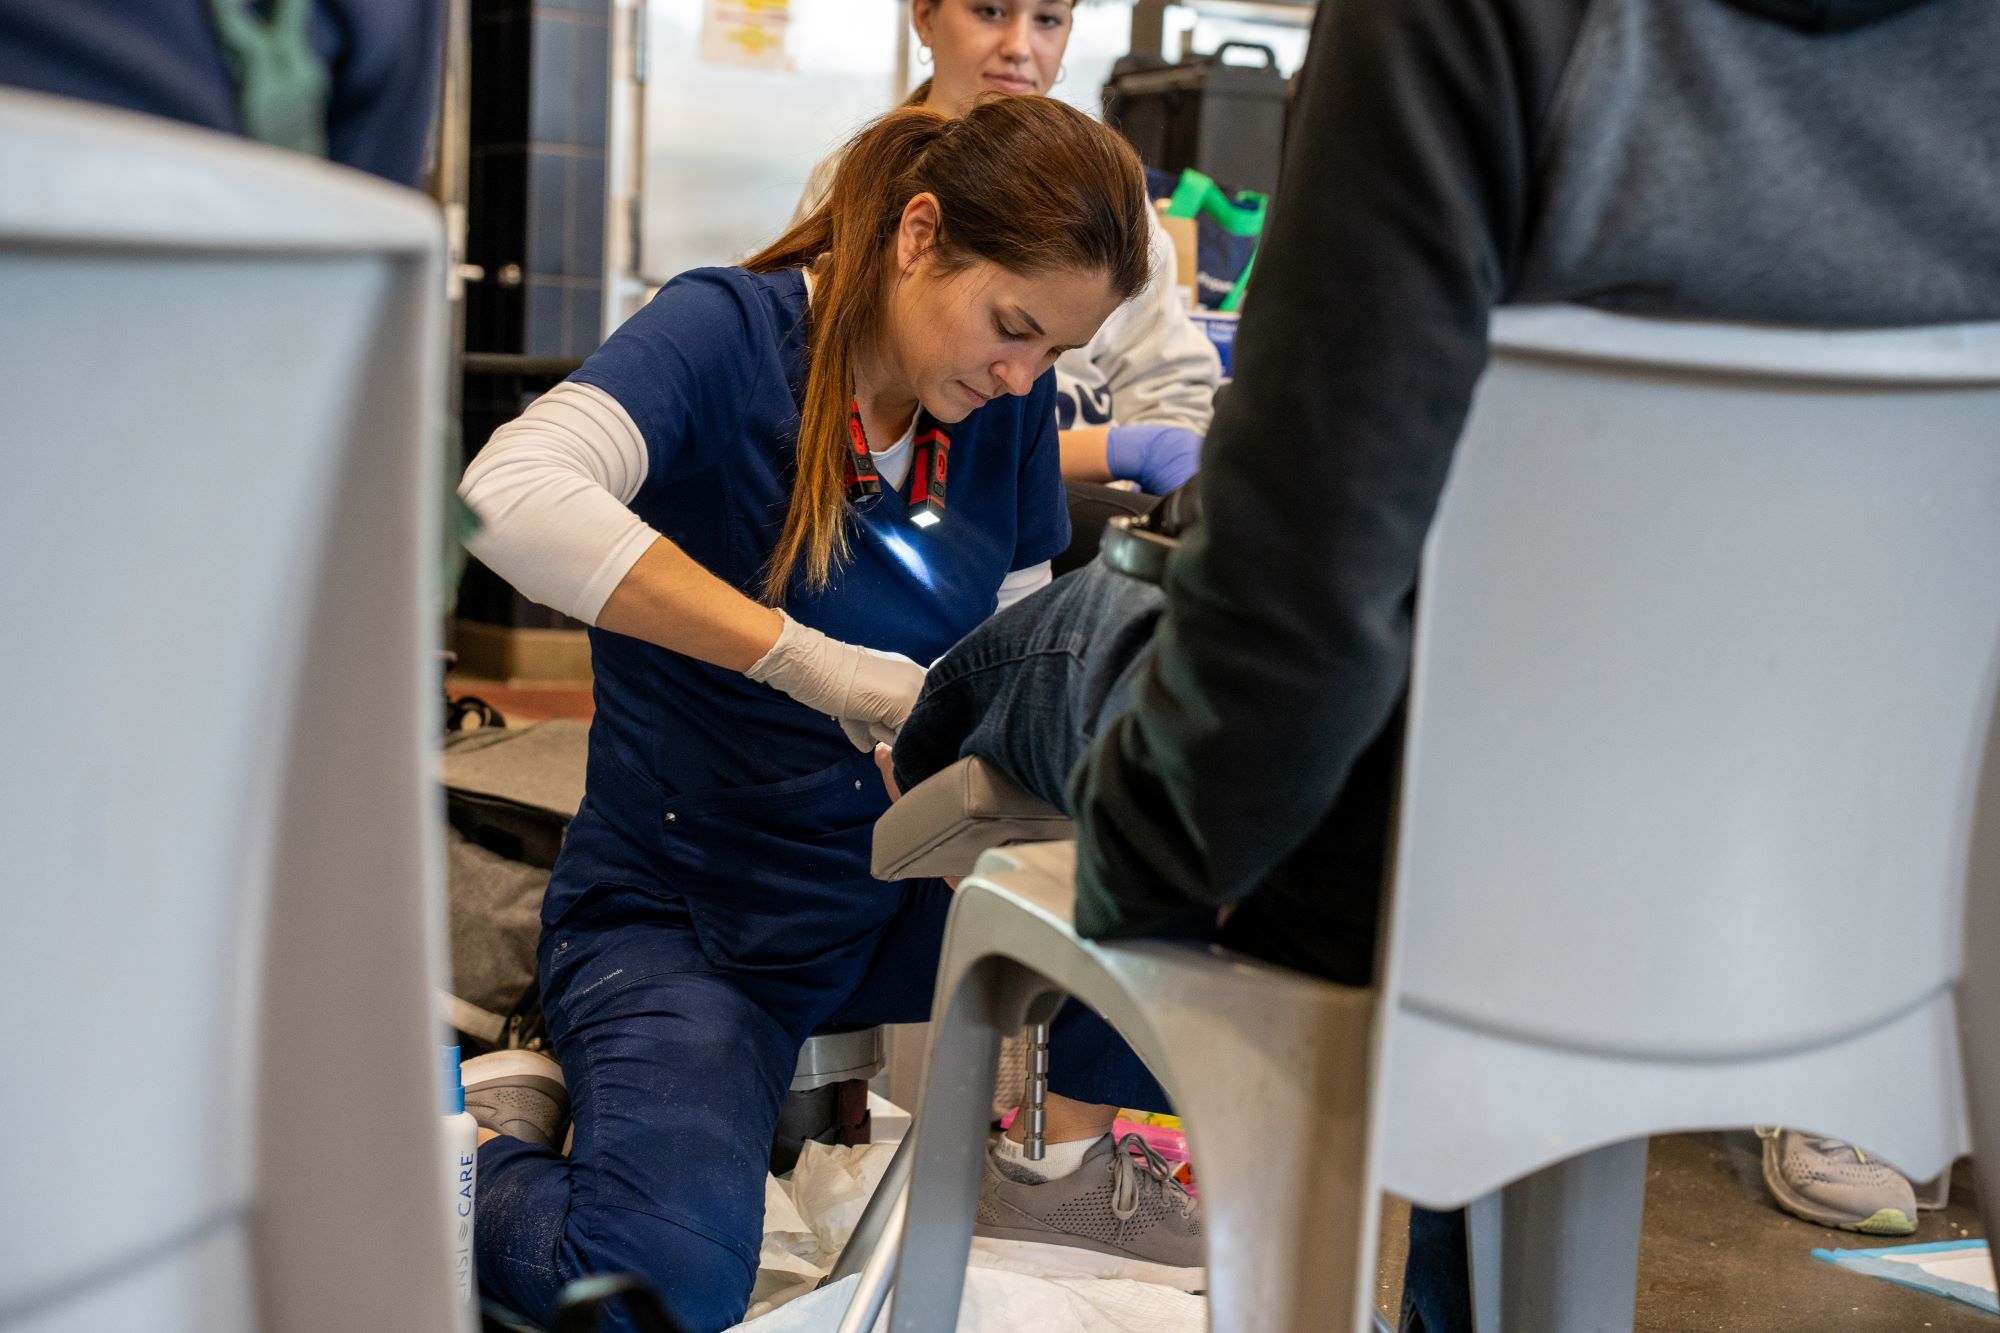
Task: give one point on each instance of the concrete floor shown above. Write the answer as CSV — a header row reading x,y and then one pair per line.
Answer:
x,y
1719,1257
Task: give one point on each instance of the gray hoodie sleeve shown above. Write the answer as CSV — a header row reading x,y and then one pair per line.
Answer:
x,y
1398,226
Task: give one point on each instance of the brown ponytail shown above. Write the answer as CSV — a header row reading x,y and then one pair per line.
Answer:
x,y
1023,182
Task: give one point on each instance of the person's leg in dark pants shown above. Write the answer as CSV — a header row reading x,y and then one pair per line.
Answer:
x,y
675,1073
676,1069
1437,1282
1031,688
1027,688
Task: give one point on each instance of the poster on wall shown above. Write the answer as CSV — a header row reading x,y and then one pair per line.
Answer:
x,y
746,33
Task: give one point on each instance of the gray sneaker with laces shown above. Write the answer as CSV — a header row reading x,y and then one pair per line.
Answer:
x,y
517,1093
1122,1203
1836,1184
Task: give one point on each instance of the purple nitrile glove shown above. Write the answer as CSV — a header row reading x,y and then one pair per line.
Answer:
x,y
1159,458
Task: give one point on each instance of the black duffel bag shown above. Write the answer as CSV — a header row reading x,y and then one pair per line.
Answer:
x,y
509,796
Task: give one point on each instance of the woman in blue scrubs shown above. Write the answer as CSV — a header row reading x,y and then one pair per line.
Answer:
x,y
773,493
1132,404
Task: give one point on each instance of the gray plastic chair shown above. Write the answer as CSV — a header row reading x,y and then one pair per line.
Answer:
x,y
1258,1060
1705,677
1238,1063
219,547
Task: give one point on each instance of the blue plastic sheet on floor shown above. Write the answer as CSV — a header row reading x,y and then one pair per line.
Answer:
x,y
1959,1269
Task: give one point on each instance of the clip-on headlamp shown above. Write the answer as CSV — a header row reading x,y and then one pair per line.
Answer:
x,y
927,484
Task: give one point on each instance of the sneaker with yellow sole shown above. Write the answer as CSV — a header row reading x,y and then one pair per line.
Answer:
x,y
1835,1184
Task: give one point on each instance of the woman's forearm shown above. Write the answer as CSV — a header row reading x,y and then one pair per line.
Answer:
x,y
1084,456
668,599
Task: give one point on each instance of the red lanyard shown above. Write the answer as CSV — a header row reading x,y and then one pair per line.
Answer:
x,y
932,448
862,478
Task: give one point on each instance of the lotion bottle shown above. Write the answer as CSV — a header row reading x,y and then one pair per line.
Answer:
x,y
461,1179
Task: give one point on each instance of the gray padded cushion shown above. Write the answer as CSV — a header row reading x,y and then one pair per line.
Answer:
x,y
944,822
541,767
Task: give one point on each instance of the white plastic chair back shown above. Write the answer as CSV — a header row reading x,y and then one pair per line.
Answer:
x,y
222,914
1706,656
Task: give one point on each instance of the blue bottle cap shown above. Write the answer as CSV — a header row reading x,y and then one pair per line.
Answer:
x,y
453,1090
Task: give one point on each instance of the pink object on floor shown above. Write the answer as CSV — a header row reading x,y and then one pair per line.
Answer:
x,y
1170,1144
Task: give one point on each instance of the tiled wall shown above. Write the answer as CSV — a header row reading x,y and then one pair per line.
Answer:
x,y
491,401
538,127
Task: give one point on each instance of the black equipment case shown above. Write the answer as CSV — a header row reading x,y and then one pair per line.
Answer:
x,y
1226,121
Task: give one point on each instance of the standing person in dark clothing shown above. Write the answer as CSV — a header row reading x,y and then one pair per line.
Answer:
x,y
353,80
1646,156
1812,162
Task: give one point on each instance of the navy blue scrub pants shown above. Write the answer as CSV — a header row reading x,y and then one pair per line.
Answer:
x,y
699,941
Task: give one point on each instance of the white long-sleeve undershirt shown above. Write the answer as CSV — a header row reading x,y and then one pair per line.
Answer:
x,y
1022,582
552,487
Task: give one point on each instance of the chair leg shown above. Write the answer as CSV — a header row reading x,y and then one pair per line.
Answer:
x,y
1979,987
874,1230
991,998
878,1274
1289,1203
1979,1030
1035,1095
1984,1097
1558,1252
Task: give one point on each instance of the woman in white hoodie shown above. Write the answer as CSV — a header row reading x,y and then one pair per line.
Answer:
x,y
1134,404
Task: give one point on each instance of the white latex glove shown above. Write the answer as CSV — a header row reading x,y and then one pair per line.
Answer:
x,y
868,692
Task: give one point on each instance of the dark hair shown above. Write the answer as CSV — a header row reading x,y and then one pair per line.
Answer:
x,y
1027,183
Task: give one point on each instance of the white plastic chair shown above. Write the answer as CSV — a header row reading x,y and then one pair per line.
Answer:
x,y
1705,678
223,903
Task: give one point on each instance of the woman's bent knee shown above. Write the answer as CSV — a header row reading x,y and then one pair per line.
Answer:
x,y
703,1281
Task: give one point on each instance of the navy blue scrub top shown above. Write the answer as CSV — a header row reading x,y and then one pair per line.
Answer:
x,y
712,372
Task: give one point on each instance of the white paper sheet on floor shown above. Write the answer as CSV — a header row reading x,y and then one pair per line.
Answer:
x,y
1961,1270
807,1220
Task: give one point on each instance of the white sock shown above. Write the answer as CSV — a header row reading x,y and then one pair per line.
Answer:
x,y
1058,1159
